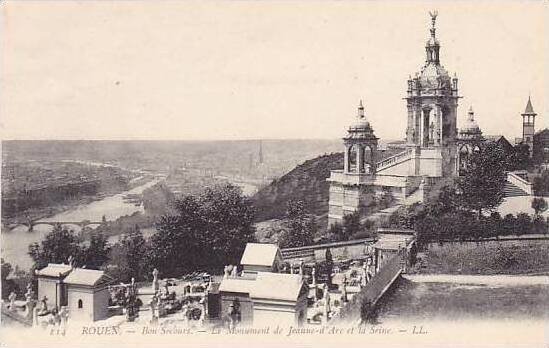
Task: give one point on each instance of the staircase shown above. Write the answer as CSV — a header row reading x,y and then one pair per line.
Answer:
x,y
512,190
394,160
516,185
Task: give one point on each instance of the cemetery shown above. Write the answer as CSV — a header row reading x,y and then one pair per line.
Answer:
x,y
264,288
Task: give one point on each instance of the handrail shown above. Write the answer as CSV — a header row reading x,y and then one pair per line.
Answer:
x,y
393,159
519,182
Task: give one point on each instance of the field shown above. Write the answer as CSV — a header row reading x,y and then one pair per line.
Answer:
x,y
491,257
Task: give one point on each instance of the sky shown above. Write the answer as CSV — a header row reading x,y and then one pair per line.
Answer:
x,y
186,70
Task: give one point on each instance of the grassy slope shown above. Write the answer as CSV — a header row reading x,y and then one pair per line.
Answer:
x,y
509,257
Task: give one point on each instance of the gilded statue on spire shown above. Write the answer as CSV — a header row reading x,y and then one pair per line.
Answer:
x,y
434,15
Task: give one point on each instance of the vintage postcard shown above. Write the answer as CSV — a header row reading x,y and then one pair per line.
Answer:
x,y
274,173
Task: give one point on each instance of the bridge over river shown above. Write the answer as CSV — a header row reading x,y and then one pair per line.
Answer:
x,y
30,224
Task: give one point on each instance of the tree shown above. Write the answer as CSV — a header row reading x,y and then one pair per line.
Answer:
x,y
541,184
127,256
483,181
96,254
523,224
539,205
329,266
206,231
335,232
508,225
57,247
7,284
520,159
539,225
300,230
351,225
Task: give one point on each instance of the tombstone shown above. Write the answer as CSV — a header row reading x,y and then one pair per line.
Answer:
x,y
155,285
30,304
364,279
29,293
12,296
202,311
43,307
369,268
326,300
234,271
313,275
154,308
344,290
226,272
301,263
185,313
64,314
71,261
166,290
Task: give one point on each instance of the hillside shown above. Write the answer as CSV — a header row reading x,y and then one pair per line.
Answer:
x,y
306,182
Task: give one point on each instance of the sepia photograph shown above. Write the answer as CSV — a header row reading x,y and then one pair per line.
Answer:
x,y
274,173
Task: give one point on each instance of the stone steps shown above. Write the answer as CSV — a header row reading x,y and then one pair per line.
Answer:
x,y
511,190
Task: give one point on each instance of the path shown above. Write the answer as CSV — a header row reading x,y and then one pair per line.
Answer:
x,y
411,199
501,280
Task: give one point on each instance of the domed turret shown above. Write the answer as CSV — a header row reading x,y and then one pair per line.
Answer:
x,y
470,129
361,127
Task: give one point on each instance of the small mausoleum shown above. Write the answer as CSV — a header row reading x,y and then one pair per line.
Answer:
x,y
261,257
51,285
87,294
260,294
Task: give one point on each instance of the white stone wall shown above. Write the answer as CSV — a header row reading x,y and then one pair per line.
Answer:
x,y
94,304
47,287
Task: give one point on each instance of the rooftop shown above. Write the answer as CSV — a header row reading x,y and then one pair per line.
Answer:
x,y
265,285
54,270
261,254
89,277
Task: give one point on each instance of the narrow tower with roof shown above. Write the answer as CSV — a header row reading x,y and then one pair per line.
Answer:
x,y
528,126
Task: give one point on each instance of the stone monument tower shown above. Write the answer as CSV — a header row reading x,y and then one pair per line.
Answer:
x,y
432,100
347,188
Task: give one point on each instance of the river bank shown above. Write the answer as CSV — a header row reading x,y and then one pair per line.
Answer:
x,y
50,211
15,242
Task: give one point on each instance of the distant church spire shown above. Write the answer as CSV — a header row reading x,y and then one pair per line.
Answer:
x,y
529,126
529,108
260,152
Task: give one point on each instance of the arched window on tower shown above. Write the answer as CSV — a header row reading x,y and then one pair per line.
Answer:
x,y
368,159
80,304
353,165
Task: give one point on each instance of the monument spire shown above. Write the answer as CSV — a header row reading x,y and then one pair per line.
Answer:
x,y
432,47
